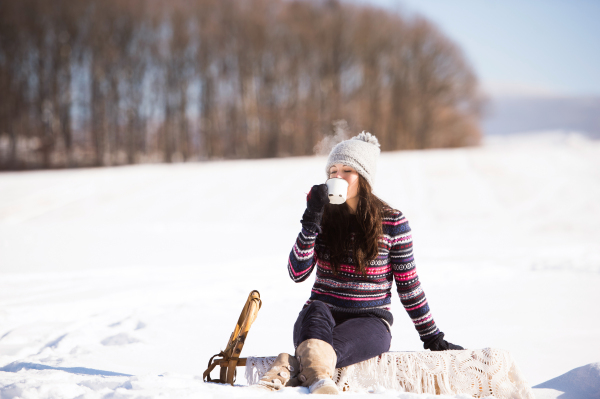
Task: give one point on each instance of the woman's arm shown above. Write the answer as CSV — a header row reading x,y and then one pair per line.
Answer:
x,y
408,285
411,293
303,259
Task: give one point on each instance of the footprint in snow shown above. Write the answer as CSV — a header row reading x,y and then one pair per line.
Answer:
x,y
140,325
128,323
119,339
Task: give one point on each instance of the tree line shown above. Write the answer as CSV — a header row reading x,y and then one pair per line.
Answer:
x,y
111,82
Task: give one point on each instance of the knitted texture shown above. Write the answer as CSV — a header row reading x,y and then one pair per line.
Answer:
x,y
479,373
360,152
351,291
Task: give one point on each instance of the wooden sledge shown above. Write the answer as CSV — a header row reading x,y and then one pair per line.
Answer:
x,y
229,358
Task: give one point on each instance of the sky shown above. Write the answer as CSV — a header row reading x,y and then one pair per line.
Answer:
x,y
532,47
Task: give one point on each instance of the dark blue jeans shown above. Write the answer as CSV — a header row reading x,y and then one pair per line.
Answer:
x,y
354,337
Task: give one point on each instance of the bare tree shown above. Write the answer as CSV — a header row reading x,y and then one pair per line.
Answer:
x,y
109,82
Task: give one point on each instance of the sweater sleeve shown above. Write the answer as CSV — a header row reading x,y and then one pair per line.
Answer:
x,y
407,281
303,258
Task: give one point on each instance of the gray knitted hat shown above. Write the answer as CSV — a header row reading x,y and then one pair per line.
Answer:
x,y
360,152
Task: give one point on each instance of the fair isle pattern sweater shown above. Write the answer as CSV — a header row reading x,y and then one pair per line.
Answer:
x,y
351,291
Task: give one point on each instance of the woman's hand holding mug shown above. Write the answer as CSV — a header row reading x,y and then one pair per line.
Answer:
x,y
317,198
333,191
315,203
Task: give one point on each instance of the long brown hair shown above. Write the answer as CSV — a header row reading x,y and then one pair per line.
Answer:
x,y
336,225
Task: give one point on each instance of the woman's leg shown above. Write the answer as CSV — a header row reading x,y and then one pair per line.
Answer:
x,y
360,338
313,338
314,321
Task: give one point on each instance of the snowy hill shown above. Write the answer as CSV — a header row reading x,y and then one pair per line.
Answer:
x,y
122,282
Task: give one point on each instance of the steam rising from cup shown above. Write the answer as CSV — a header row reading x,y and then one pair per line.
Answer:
x,y
341,133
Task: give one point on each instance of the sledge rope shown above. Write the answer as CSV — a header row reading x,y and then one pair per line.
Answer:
x,y
479,373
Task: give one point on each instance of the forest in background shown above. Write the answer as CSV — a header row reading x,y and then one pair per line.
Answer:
x,y
113,82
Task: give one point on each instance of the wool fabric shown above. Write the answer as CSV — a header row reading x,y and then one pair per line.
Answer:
x,y
351,291
360,152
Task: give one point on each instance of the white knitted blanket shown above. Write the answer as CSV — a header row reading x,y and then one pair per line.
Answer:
x,y
479,373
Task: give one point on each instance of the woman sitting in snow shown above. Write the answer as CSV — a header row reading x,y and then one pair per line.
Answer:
x,y
358,248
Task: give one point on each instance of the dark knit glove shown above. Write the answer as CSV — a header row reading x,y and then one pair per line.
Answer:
x,y
315,203
437,343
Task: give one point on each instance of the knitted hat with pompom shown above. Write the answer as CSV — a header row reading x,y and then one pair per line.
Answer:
x,y
360,152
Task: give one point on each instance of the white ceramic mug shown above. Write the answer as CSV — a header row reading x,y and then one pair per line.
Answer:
x,y
337,189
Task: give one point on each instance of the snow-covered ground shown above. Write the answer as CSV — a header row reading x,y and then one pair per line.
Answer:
x,y
122,282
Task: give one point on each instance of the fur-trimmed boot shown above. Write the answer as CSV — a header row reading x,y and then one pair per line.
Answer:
x,y
317,364
283,373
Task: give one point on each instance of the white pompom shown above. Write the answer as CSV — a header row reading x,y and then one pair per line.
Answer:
x,y
368,138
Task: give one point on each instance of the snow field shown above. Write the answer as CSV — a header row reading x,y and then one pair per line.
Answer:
x,y
143,270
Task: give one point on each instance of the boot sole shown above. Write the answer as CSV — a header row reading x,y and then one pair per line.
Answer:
x,y
324,387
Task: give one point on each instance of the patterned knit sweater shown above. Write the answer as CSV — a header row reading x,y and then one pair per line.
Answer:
x,y
351,291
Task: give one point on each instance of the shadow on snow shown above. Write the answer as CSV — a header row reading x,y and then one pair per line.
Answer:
x,y
15,367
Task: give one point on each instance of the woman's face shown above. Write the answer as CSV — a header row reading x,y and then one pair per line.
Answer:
x,y
347,173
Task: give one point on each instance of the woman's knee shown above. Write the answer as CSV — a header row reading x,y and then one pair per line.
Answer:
x,y
314,321
319,310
